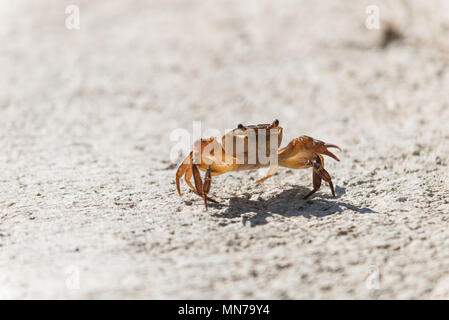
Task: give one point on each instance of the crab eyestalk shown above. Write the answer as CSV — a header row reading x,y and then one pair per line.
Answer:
x,y
274,124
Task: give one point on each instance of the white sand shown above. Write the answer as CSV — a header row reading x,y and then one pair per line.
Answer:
x,y
88,207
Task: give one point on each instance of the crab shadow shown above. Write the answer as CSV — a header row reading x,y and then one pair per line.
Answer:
x,y
288,203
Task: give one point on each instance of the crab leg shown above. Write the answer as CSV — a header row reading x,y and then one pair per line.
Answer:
x,y
202,189
182,168
197,179
206,185
319,173
187,177
306,143
309,160
270,173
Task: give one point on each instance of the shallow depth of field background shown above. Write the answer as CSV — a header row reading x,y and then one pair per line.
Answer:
x,y
88,207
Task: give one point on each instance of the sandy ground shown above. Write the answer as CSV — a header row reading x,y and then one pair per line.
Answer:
x,y
88,207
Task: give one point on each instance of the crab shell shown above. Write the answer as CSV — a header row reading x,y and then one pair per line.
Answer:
x,y
250,142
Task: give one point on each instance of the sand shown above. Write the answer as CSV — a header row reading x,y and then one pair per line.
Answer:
x,y
88,206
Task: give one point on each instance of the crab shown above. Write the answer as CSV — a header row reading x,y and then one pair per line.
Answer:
x,y
216,159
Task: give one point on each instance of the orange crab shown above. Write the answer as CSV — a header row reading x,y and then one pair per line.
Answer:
x,y
215,158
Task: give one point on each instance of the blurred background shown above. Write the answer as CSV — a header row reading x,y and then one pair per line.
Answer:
x,y
162,64
85,121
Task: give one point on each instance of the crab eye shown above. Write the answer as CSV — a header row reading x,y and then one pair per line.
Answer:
x,y
240,126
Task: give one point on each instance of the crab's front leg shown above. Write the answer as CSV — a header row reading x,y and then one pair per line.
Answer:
x,y
319,173
306,152
307,144
310,160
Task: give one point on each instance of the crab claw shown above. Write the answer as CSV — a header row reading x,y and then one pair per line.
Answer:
x,y
319,146
324,150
